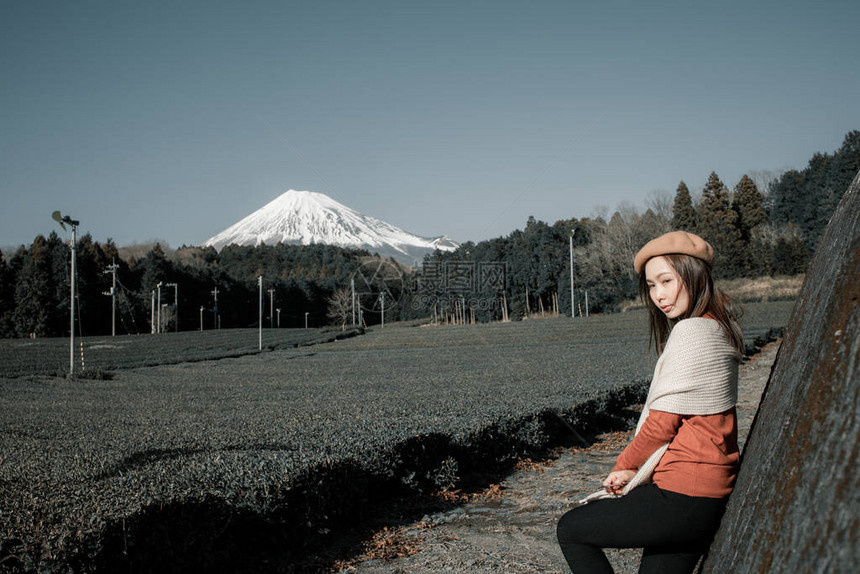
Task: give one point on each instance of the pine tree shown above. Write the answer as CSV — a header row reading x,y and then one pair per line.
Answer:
x,y
683,213
155,268
718,225
787,197
93,306
809,197
846,162
749,205
35,307
7,298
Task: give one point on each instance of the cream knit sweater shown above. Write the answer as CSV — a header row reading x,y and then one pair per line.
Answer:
x,y
697,374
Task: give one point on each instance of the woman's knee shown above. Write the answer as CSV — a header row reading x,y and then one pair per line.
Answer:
x,y
570,526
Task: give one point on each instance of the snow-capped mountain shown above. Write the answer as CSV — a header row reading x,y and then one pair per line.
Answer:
x,y
306,217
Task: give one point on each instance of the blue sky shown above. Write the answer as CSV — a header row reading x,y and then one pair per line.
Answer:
x,y
173,120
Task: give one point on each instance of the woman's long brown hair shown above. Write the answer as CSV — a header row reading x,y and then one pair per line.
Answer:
x,y
705,299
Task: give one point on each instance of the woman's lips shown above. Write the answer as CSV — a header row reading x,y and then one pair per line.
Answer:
x,y
666,308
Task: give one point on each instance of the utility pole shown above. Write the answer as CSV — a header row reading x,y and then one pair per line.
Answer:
x,y
271,308
152,311
74,223
158,286
112,270
260,316
572,293
217,322
306,319
382,306
175,303
201,318
72,306
279,317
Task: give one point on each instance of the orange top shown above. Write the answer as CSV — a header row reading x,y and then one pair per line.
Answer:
x,y
702,458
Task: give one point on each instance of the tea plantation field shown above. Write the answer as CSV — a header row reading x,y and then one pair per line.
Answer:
x,y
252,463
22,357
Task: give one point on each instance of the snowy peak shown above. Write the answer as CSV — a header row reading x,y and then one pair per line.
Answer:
x,y
306,217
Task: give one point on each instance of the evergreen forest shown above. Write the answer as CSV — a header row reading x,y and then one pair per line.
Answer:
x,y
766,224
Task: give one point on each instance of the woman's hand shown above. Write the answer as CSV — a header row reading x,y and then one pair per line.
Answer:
x,y
617,479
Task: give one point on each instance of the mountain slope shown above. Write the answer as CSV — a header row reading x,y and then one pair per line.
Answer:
x,y
306,217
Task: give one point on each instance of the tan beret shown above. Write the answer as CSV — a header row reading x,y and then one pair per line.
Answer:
x,y
674,242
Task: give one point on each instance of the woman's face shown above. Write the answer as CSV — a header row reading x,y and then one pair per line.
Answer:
x,y
665,287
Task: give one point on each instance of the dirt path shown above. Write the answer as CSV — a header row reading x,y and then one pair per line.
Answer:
x,y
511,526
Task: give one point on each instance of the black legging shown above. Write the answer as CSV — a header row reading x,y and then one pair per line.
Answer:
x,y
674,529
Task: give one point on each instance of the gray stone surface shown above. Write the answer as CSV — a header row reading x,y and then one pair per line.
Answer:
x,y
796,506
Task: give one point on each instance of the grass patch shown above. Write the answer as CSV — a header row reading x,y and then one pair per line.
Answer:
x,y
748,290
763,289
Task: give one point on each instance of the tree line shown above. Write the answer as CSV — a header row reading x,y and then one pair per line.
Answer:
x,y
757,229
215,290
767,224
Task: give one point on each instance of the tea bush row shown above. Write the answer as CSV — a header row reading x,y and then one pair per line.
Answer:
x,y
50,356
